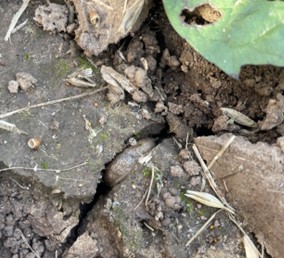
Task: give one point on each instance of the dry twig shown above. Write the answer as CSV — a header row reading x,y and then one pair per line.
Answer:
x,y
15,19
202,228
209,177
44,169
52,102
150,186
221,152
27,243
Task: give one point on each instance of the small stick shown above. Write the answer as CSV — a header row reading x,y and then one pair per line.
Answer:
x,y
186,141
221,152
233,219
124,7
209,177
148,226
20,26
52,102
27,243
44,169
150,186
15,19
18,184
202,228
143,197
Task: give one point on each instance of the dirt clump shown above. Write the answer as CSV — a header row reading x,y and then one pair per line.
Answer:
x,y
251,175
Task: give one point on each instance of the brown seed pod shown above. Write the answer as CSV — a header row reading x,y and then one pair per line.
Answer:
x,y
34,143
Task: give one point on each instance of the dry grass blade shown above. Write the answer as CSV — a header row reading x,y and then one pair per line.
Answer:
x,y
27,243
10,127
221,152
15,19
82,73
210,179
44,169
79,83
251,250
205,198
131,16
150,186
52,102
202,228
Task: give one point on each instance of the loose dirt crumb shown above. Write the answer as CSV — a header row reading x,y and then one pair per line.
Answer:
x,y
53,17
26,81
274,113
13,86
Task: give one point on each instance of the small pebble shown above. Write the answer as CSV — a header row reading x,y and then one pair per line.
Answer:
x,y
217,223
160,107
166,195
132,141
13,86
170,202
173,191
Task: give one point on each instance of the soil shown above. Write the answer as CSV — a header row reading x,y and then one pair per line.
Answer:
x,y
84,190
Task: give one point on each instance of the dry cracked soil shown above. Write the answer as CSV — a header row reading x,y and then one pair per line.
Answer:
x,y
112,153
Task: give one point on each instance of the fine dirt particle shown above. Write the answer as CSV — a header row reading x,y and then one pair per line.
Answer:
x,y
171,61
139,96
175,109
160,108
184,154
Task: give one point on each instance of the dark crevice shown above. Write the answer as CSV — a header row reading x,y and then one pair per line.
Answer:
x,y
203,131
85,208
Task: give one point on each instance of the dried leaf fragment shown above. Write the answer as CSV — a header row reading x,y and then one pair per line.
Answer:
x,y
79,83
116,79
238,117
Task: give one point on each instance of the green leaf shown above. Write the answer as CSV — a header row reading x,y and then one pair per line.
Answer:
x,y
247,32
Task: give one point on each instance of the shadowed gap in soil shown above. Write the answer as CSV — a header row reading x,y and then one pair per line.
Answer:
x,y
102,190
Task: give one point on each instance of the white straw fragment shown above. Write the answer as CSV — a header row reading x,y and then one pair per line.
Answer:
x,y
16,18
